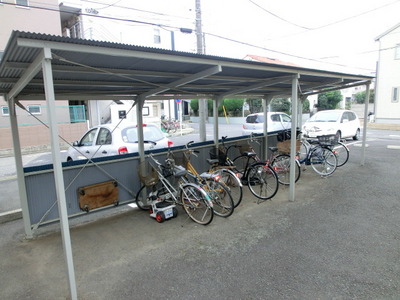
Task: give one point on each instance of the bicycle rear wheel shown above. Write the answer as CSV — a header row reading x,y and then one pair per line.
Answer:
x,y
323,161
221,198
144,194
262,181
232,182
342,153
242,161
195,202
281,165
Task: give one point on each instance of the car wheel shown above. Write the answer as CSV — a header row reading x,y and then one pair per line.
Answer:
x,y
357,136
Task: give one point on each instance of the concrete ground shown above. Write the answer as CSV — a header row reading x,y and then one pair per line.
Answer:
x,y
340,239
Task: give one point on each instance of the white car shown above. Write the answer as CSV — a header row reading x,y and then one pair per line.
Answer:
x,y
276,121
107,140
342,123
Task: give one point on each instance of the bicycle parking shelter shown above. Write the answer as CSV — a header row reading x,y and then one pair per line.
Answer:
x,y
38,66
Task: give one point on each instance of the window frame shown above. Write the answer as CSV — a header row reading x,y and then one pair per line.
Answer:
x,y
34,106
397,51
395,94
22,5
3,113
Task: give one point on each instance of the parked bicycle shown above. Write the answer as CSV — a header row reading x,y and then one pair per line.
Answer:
x,y
260,177
212,183
169,125
319,155
158,189
279,160
340,149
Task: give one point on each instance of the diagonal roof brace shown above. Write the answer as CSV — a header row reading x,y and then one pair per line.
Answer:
x,y
257,86
205,73
28,75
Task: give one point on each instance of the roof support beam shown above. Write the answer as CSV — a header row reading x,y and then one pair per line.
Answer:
x,y
183,81
28,75
256,86
337,88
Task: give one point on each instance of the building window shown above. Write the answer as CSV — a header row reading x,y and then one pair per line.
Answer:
x,y
146,111
5,111
395,96
22,2
397,52
35,109
157,36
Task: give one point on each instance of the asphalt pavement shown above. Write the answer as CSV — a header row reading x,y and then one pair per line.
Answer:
x,y
340,239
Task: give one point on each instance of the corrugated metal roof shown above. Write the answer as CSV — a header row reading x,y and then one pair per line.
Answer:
x,y
90,69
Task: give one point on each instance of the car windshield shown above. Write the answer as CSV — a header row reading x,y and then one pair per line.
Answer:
x,y
129,134
255,119
332,116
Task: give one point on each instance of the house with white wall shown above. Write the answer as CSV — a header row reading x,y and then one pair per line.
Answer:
x,y
387,92
88,20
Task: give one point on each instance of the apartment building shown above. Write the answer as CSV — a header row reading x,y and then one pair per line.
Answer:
x,y
40,17
387,94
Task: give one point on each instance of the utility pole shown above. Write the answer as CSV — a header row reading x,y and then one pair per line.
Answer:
x,y
199,31
203,111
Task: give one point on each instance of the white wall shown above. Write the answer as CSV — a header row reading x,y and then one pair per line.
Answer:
x,y
388,78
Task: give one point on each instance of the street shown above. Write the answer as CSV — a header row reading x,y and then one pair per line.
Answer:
x,y
338,240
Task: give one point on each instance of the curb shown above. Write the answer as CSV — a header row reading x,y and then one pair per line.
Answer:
x,y
10,216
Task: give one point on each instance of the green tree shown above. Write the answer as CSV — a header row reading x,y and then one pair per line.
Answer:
x,y
329,100
306,106
233,106
255,105
194,105
281,105
360,96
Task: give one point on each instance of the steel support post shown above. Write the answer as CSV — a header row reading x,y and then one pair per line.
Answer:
x,y
58,172
364,138
265,102
19,166
216,103
295,82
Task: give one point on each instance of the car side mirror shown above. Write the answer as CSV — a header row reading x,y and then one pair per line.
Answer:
x,y
75,144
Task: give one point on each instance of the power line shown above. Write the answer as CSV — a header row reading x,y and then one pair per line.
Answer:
x,y
178,28
278,17
280,52
338,21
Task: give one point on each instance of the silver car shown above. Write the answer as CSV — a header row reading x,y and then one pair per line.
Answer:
x,y
342,123
276,121
108,140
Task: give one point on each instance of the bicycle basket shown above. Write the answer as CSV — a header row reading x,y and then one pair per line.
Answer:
x,y
181,160
147,174
284,147
245,148
218,154
328,140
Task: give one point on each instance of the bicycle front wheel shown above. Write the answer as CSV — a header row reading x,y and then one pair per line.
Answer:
x,y
323,161
232,182
241,162
262,181
281,165
221,198
195,202
342,153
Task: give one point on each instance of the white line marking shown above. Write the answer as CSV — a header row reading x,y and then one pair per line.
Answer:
x,y
394,147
